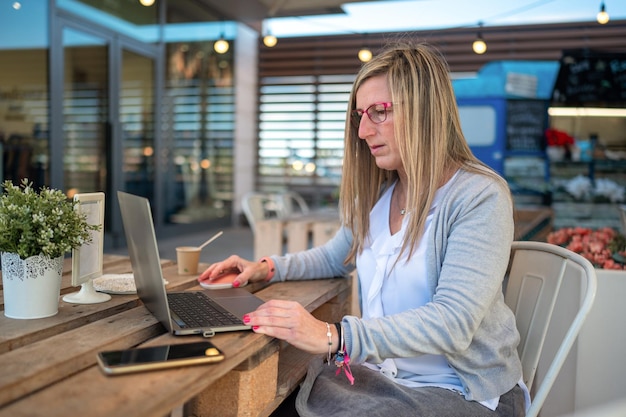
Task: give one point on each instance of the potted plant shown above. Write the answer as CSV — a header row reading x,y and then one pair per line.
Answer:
x,y
36,230
559,144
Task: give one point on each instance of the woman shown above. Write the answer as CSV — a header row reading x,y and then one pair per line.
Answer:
x,y
429,229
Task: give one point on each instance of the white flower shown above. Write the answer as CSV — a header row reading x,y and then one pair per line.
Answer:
x,y
609,189
44,222
580,187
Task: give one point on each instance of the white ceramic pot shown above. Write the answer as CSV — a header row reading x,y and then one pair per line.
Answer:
x,y
31,286
555,153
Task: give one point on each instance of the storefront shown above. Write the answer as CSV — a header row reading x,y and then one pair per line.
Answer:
x,y
555,130
99,97
589,105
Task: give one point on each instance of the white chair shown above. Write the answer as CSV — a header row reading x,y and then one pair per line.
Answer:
x,y
292,204
261,206
536,274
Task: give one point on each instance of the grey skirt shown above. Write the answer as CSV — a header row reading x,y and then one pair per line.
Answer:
x,y
324,394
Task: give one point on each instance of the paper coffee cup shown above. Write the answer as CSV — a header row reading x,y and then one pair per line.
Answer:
x,y
188,258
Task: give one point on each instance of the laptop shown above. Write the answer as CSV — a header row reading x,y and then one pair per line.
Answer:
x,y
231,303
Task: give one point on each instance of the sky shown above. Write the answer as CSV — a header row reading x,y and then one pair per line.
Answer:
x,y
410,15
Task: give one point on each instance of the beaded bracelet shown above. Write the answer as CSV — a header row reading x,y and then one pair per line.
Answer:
x,y
272,268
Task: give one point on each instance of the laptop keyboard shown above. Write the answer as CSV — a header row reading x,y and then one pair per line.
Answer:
x,y
197,310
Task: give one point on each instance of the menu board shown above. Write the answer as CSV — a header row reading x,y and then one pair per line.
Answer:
x,y
526,121
591,77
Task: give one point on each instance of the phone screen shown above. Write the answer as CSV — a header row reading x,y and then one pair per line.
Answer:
x,y
158,357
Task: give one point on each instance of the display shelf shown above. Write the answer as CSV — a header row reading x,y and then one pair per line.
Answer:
x,y
585,214
593,169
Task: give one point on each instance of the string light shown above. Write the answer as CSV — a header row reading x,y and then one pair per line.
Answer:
x,y
269,40
603,16
146,3
365,54
221,45
17,5
479,46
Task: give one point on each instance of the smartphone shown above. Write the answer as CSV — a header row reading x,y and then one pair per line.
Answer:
x,y
125,361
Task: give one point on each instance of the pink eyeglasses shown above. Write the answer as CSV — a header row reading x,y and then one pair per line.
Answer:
x,y
377,113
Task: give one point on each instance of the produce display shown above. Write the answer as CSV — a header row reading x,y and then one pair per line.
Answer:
x,y
605,248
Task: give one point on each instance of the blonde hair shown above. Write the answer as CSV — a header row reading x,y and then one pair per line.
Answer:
x,y
428,134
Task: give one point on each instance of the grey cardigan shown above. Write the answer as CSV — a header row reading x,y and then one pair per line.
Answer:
x,y
467,320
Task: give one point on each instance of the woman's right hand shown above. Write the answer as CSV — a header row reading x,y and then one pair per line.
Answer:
x,y
247,271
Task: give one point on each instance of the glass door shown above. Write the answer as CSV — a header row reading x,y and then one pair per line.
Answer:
x,y
136,117
86,121
108,117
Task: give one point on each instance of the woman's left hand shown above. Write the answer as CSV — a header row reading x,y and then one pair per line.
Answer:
x,y
289,321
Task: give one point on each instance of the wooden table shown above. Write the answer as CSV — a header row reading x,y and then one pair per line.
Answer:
x,y
48,366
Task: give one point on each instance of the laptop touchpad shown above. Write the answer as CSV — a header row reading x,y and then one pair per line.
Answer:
x,y
237,300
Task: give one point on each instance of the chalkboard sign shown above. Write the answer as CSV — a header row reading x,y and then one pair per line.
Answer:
x,y
526,121
591,77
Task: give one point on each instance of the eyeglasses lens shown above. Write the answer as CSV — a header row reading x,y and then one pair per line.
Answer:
x,y
377,113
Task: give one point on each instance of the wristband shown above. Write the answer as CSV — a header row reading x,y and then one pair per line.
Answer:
x,y
340,333
272,269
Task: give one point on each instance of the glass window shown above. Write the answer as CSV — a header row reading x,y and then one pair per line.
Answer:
x,y
301,133
479,124
130,18
85,111
199,128
137,123
24,101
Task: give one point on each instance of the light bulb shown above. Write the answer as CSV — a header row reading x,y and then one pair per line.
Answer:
x,y
479,46
146,3
270,40
17,5
221,46
603,16
365,55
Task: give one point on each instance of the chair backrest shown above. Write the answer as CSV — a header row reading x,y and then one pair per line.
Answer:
x,y
536,274
261,206
292,203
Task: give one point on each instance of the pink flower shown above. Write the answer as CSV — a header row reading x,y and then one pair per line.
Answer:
x,y
592,244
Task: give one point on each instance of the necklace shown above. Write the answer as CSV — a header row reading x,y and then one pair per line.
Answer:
x,y
402,209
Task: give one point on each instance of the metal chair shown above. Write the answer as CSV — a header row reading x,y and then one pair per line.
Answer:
x,y
282,205
291,204
536,274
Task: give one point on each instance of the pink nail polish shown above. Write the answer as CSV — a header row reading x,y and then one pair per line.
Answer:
x,y
246,319
255,328
235,284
